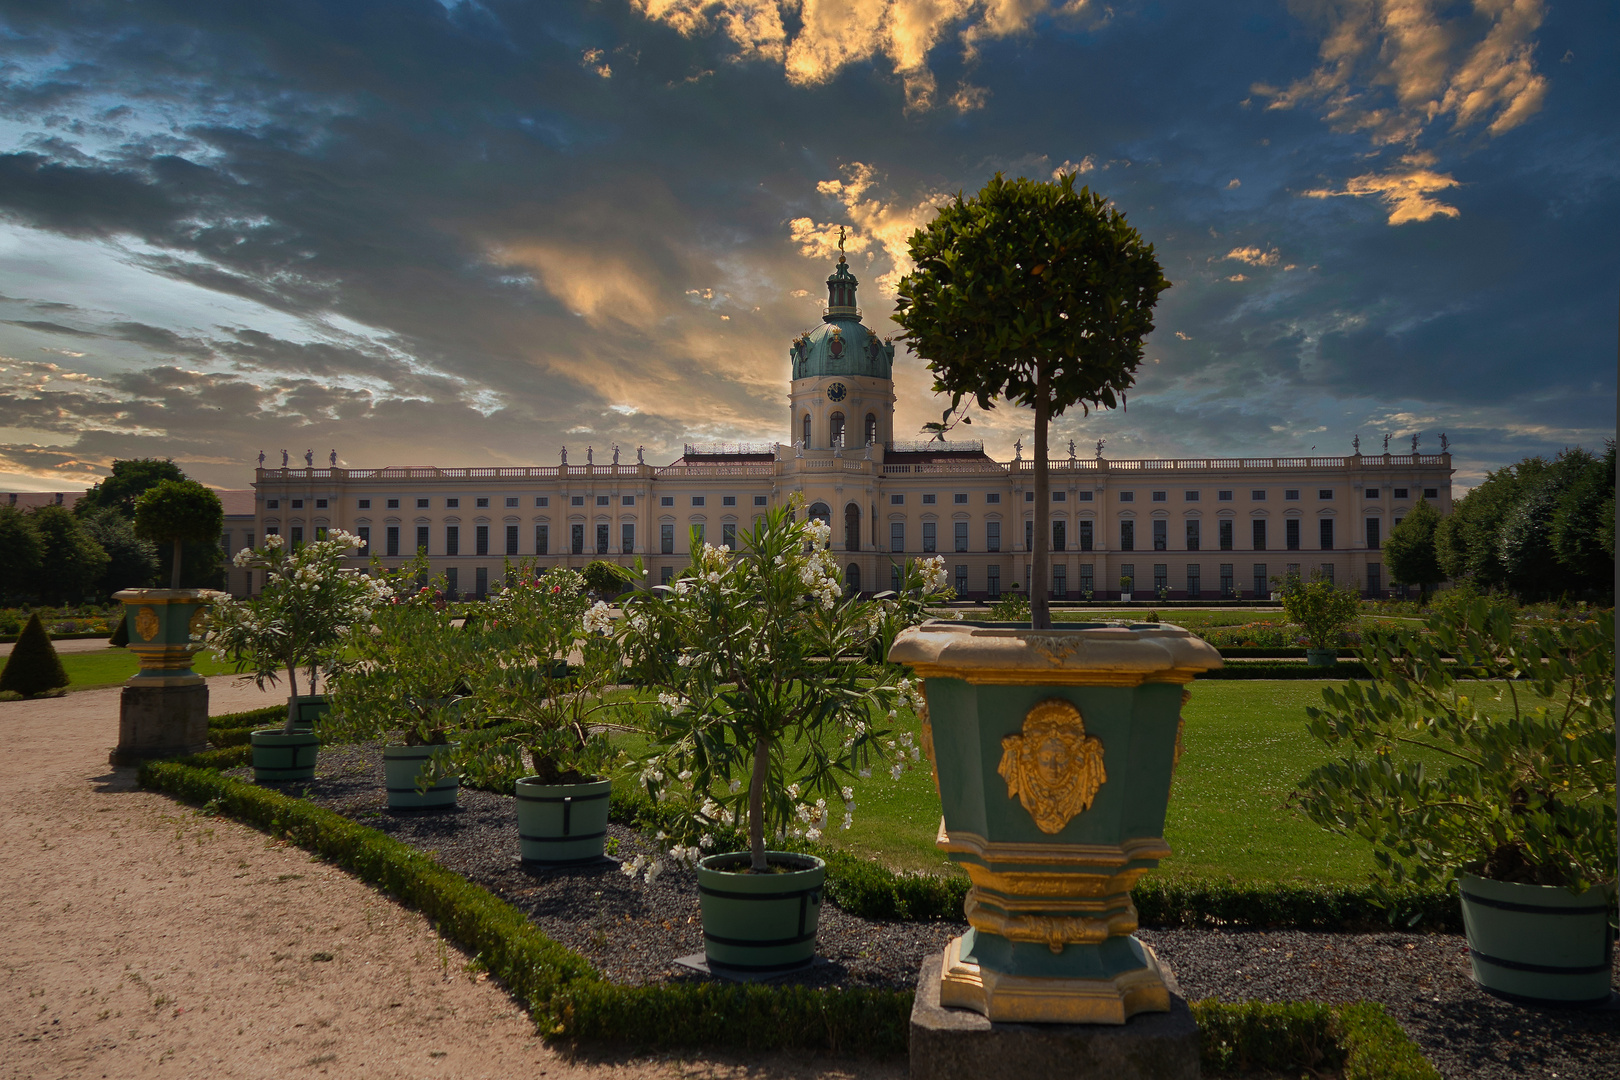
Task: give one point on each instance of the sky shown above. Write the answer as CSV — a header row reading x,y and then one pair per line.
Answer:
x,y
472,233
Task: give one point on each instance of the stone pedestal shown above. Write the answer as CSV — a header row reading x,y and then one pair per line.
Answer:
x,y
161,721
952,1044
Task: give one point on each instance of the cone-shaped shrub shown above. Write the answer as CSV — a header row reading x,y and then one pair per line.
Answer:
x,y
120,636
34,666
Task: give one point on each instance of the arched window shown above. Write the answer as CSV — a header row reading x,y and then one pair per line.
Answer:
x,y
852,527
871,429
821,512
852,579
806,429
835,429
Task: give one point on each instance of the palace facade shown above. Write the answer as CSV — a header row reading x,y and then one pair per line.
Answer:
x,y
1196,528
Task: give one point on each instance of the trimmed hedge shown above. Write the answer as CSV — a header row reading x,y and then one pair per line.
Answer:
x,y
1260,669
1361,1040
253,718
569,999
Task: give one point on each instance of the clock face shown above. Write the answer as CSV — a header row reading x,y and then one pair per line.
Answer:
x,y
836,391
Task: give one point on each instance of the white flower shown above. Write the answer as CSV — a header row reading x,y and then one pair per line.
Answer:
x,y
684,775
848,794
894,773
865,774
707,842
916,753
598,620
812,835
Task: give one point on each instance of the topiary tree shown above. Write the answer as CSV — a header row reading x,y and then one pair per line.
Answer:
x,y
177,511
1037,293
1410,551
33,667
606,579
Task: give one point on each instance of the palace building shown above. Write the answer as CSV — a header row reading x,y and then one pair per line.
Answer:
x,y
1199,528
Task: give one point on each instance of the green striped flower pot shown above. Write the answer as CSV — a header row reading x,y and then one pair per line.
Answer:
x,y
402,765
278,756
310,707
562,823
1539,944
760,922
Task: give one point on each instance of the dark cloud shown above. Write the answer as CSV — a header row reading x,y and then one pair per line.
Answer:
x,y
470,245
48,327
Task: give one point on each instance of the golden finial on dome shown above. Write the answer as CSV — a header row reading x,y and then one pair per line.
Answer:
x,y
840,245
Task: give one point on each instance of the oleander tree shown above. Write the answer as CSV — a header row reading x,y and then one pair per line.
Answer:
x,y
178,511
1037,293
308,608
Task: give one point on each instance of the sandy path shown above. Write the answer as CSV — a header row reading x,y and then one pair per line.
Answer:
x,y
143,939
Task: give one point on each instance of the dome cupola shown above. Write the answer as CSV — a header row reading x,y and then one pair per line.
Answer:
x,y
841,345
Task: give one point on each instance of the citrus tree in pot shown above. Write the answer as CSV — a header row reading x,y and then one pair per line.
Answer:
x,y
1324,611
769,704
556,659
300,619
407,679
1494,772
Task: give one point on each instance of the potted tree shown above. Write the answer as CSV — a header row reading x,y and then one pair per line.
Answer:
x,y
164,707
540,707
1125,584
1053,748
1520,817
300,619
407,678
1323,610
769,703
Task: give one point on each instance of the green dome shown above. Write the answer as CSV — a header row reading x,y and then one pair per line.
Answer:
x,y
841,345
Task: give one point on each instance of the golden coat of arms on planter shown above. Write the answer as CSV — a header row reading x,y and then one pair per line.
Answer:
x,y
146,623
1054,768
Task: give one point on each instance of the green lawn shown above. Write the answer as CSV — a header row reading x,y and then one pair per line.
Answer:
x,y
109,667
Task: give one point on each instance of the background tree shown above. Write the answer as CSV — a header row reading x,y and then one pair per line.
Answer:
x,y
1583,526
22,553
1410,551
1036,293
72,562
132,561
177,511
1466,541
131,478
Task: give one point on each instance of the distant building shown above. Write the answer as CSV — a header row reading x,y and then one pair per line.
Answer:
x,y
1199,528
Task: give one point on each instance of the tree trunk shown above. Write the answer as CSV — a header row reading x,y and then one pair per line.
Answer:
x,y
292,701
1040,612
174,571
756,803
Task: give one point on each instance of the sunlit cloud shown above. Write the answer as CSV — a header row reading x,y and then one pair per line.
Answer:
x,y
1254,256
830,35
1407,190
1392,68
882,218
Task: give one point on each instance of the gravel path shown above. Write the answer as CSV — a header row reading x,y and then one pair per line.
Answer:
x,y
633,932
145,941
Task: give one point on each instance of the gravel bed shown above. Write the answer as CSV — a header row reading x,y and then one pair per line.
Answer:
x,y
633,932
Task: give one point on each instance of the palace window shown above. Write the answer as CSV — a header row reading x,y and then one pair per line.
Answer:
x,y
697,500
604,500
298,504
1161,576
1085,496
1085,536
1160,496
897,500
1060,535
961,580
392,542
961,536
511,539
1291,534
992,536
959,498
481,504
1085,578
1372,533
1189,496
452,539
992,497
1324,530
1223,496
897,536
627,500
452,504
393,504
760,500
1127,496
1260,588
930,537
627,537
1258,527
1375,575
1127,536
1431,493
728,500
421,504
602,532
928,500
481,540
992,580
1161,539
728,536
421,539
576,538
666,500
576,500
364,532
1194,584
511,502
542,539
1400,493
1192,535
275,504
1291,494
542,500
320,504
1324,494
666,539
1226,581
1224,532
1060,582
1029,535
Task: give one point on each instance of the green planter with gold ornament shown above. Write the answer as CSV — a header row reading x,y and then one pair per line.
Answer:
x,y
1053,752
163,709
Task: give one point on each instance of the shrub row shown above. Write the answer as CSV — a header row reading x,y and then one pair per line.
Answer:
x,y
1260,669
253,718
570,1000
1359,1042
